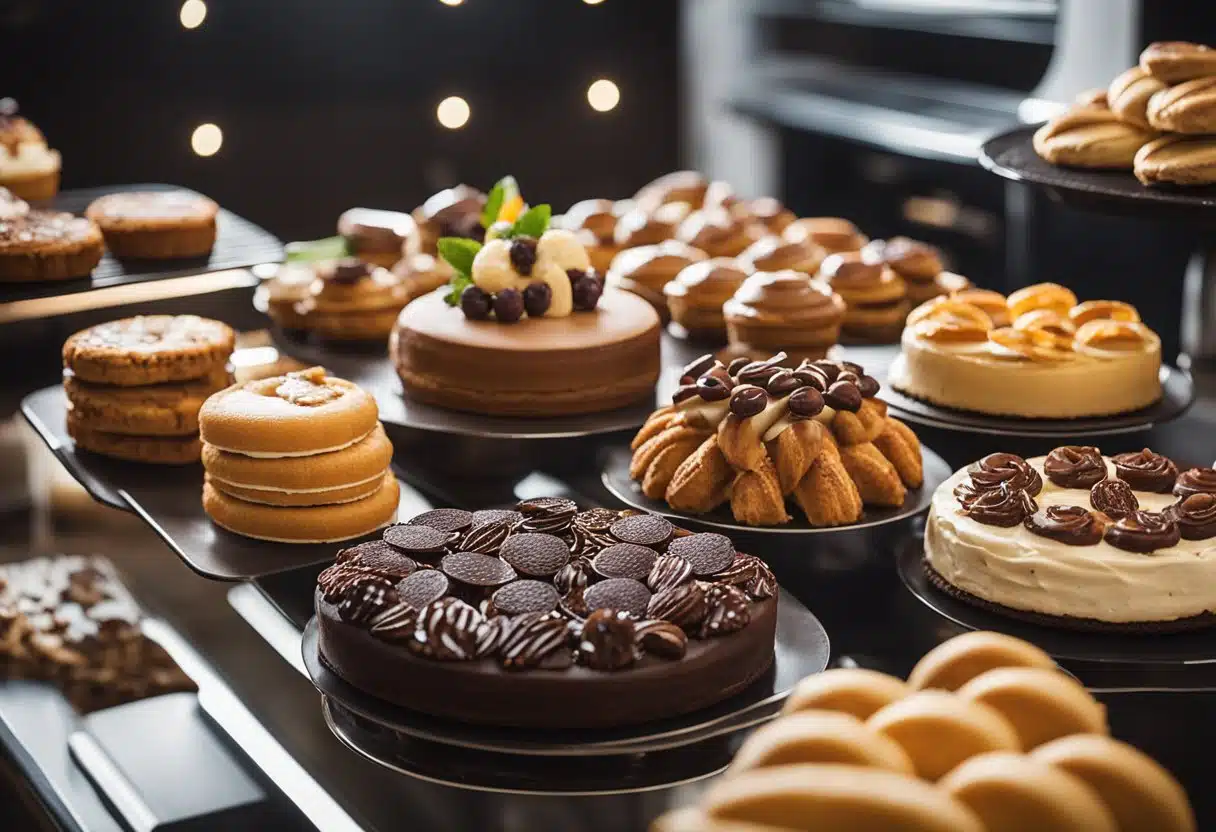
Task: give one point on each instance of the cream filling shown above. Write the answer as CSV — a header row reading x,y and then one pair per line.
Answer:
x,y
31,159
289,454
769,423
1017,568
277,490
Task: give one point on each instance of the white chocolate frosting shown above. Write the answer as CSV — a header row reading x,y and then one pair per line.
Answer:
x,y
769,423
1016,568
557,250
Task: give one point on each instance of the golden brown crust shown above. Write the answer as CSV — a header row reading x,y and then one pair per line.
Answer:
x,y
702,481
34,187
877,481
326,497
756,498
156,410
1180,160
1129,94
163,450
1189,107
1175,61
1091,137
149,350
665,464
366,459
155,224
901,446
827,495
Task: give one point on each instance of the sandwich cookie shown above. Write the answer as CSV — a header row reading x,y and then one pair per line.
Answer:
x,y
304,524
149,349
169,409
293,415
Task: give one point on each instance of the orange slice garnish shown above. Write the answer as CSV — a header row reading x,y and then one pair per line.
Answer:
x,y
1097,310
1029,345
1051,296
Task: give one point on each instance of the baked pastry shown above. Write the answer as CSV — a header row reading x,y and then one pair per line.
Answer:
x,y
168,409
1059,359
1129,95
783,311
1091,137
594,221
1178,160
1189,107
297,458
773,254
1117,542
696,295
765,211
149,349
833,234
47,245
757,435
875,296
1095,97
452,212
560,617
640,227
686,186
12,207
154,449
421,274
920,266
717,232
535,335
943,762
351,300
155,224
379,237
28,167
645,270
290,285
1177,61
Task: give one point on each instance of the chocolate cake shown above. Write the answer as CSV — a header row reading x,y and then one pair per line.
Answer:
x,y
546,616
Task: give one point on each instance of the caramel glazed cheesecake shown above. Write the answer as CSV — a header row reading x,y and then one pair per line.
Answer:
x,y
1079,539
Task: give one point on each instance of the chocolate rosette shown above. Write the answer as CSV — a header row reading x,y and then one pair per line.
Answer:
x,y
1146,471
1195,481
1195,516
1075,466
1144,531
1114,498
1073,525
1003,506
996,471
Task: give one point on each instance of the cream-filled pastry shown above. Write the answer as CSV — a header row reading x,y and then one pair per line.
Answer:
x,y
645,270
696,295
773,254
875,295
642,227
784,310
686,186
717,232
594,222
28,167
832,233
452,212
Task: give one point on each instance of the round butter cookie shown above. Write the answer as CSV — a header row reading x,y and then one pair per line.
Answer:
x,y
304,524
956,662
169,409
303,497
155,224
164,450
820,737
149,349
1042,705
850,690
363,462
293,415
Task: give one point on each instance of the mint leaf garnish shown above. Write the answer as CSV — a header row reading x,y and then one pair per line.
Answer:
x,y
308,251
459,253
533,222
503,190
456,287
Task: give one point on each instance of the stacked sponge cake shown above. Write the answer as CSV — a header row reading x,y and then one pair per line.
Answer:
x,y
135,386
297,458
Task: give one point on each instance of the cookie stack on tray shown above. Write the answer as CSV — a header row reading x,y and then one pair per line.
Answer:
x,y
135,386
297,458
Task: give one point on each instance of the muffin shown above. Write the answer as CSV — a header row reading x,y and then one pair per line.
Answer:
x,y
378,237
773,254
875,295
48,245
783,311
833,233
28,167
155,224
453,212
645,270
696,295
716,232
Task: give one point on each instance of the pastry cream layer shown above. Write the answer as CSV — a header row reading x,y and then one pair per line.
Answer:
x,y
986,379
1017,568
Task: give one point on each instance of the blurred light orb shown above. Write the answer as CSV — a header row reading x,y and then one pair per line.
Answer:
x,y
593,2
192,14
451,2
453,112
206,140
603,95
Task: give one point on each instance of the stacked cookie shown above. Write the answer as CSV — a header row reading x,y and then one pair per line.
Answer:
x,y
135,386
1157,119
986,735
337,300
297,458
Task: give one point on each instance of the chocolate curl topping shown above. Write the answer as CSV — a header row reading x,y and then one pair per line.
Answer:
x,y
1075,466
1001,506
1144,531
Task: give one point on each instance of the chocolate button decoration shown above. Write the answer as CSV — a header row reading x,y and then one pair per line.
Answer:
x,y
519,597
622,594
487,538
707,552
496,515
423,587
417,540
843,395
625,560
386,560
643,529
474,569
747,400
444,519
540,555
805,403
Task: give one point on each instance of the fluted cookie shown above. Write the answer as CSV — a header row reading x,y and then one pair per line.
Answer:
x,y
1091,137
150,349
298,414
1178,160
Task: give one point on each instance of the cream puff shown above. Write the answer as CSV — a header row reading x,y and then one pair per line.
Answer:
x,y
645,270
783,311
717,232
832,233
773,254
453,212
687,186
697,294
641,227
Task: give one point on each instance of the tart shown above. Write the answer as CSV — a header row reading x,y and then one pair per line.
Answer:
x,y
351,300
1057,359
535,333
47,245
783,311
1079,539
28,167
763,439
560,618
696,295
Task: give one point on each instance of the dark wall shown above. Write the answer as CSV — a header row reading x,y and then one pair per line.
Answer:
x,y
325,104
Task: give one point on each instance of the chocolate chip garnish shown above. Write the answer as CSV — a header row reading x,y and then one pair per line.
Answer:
x,y
806,403
423,587
519,597
625,560
698,366
661,638
487,538
843,395
540,555
623,594
444,519
747,400
642,529
473,569
495,515
708,553
418,540
668,571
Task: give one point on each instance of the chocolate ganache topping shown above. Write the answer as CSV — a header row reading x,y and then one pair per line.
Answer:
x,y
1003,506
1195,516
1074,525
1195,481
1075,466
1146,471
1114,498
997,470
1144,531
